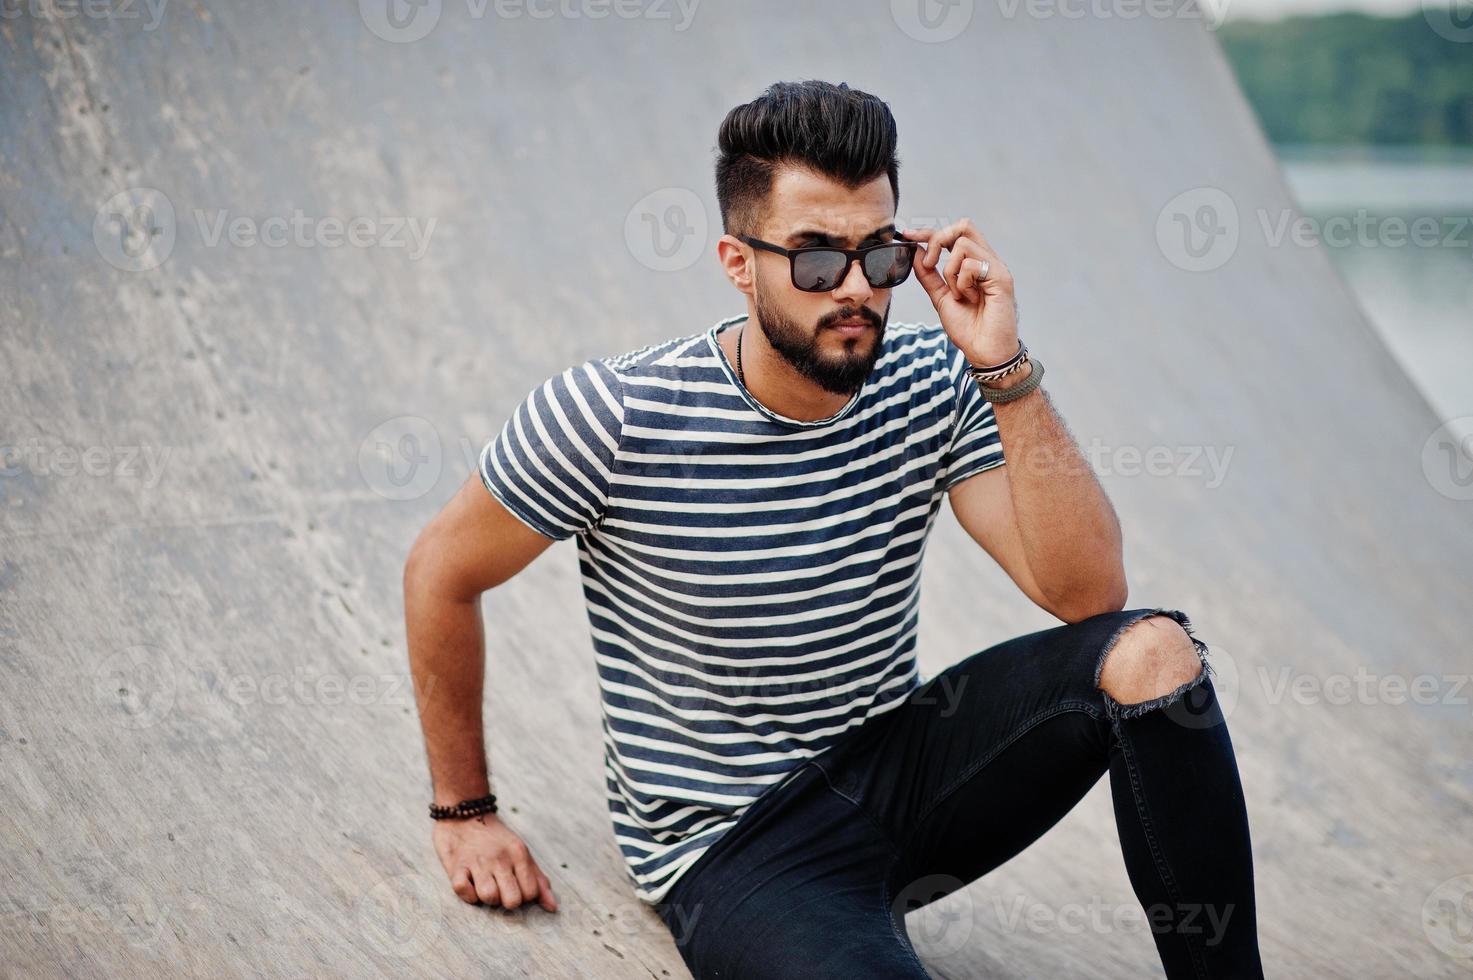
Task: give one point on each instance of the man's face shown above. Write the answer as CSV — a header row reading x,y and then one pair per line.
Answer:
x,y
808,209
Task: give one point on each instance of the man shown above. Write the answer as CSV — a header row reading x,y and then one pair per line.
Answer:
x,y
751,504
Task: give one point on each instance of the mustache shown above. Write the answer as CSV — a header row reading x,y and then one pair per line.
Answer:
x,y
867,315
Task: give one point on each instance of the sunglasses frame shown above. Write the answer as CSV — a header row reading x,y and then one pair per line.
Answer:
x,y
851,255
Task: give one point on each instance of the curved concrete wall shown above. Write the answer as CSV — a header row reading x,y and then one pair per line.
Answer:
x,y
226,421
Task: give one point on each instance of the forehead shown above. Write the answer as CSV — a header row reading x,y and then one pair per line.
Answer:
x,y
804,200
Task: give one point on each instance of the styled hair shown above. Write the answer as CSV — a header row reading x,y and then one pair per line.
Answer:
x,y
833,130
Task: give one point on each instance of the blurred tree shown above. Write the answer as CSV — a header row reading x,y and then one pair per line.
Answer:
x,y
1355,79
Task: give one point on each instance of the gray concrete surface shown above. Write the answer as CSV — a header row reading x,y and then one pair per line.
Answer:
x,y
210,756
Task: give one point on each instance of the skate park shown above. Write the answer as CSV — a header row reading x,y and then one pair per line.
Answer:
x,y
272,278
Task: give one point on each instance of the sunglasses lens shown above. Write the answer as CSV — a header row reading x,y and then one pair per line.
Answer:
x,y
888,266
818,271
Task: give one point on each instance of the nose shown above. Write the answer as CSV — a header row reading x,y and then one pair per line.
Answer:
x,y
854,287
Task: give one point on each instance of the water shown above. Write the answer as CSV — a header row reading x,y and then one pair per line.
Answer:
x,y
1413,276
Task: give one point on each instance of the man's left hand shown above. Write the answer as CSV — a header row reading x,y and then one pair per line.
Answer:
x,y
980,315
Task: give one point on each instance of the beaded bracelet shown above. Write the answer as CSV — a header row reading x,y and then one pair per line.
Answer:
x,y
999,395
465,808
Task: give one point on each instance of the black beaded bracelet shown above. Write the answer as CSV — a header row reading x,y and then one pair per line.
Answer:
x,y
465,808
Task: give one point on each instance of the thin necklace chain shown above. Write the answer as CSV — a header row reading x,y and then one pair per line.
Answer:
x,y
740,377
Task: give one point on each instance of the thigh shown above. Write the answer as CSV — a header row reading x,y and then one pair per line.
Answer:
x,y
989,753
800,892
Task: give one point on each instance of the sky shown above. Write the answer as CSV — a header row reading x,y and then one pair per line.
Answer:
x,y
1269,9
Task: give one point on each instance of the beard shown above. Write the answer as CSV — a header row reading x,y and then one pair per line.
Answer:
x,y
803,348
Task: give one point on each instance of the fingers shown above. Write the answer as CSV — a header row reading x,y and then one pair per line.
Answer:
x,y
544,892
506,882
464,888
963,251
487,888
957,277
969,274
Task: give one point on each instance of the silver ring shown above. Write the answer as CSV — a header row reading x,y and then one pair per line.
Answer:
x,y
986,268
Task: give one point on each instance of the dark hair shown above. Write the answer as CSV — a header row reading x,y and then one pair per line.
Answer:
x,y
831,129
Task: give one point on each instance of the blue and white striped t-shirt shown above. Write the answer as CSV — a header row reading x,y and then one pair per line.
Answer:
x,y
752,581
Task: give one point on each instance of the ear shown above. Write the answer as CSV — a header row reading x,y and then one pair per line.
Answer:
x,y
735,262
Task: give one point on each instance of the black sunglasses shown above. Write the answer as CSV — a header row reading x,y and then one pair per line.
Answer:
x,y
820,268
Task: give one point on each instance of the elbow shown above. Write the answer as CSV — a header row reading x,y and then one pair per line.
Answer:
x,y
419,566
1082,603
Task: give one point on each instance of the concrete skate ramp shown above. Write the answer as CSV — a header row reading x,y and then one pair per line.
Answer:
x,y
224,432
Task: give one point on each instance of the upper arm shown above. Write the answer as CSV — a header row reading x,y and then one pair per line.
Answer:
x,y
983,505
474,544
544,478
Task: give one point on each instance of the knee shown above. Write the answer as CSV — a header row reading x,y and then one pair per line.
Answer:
x,y
1151,659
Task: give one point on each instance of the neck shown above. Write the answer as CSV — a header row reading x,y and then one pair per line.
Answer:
x,y
770,379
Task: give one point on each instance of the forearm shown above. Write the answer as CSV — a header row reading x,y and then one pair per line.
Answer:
x,y
1069,529
447,658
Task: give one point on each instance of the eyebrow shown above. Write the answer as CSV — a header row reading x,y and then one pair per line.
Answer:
x,y
824,238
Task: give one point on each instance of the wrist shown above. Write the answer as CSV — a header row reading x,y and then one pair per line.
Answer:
x,y
451,795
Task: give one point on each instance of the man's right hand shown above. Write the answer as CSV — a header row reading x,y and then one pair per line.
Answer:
x,y
487,861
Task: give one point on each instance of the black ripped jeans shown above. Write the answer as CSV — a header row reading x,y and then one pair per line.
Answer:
x,y
815,878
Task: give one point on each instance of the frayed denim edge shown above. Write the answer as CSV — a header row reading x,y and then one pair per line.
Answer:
x,y
1114,709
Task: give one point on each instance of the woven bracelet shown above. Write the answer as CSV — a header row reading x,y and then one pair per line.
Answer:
x,y
465,808
999,395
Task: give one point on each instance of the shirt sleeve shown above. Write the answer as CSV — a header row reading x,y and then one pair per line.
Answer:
x,y
975,444
553,461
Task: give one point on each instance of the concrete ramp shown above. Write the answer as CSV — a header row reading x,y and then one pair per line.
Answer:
x,y
270,275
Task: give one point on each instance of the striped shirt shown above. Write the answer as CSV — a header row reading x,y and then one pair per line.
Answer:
x,y
752,581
